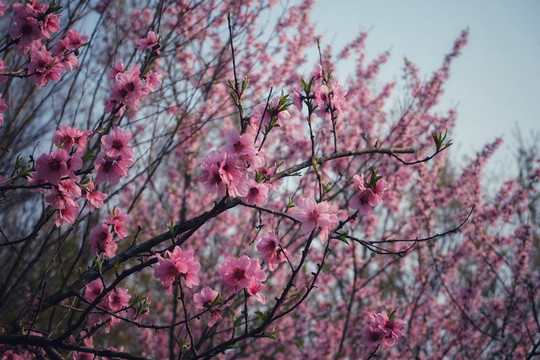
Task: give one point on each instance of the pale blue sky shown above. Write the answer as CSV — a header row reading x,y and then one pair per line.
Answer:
x,y
495,83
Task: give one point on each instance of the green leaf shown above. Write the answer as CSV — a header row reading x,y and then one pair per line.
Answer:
x,y
327,187
238,321
261,315
343,237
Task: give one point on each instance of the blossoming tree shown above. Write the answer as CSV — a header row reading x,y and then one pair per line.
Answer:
x,y
185,179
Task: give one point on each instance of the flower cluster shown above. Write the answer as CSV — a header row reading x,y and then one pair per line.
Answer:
x,y
231,170
205,300
58,168
243,273
314,216
369,194
381,328
116,301
176,264
129,87
272,252
32,22
102,241
326,92
115,158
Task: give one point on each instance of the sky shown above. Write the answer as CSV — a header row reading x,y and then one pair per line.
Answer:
x,y
494,84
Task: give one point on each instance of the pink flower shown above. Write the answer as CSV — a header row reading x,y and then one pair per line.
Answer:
x,y
118,221
35,180
272,113
102,242
391,328
52,167
220,173
43,67
381,329
273,254
75,39
242,147
314,216
67,137
118,68
238,273
371,336
298,99
153,81
210,175
67,214
128,88
368,195
150,42
93,290
254,289
94,197
177,263
205,298
111,168
257,193
115,144
215,317
118,299
25,28
70,187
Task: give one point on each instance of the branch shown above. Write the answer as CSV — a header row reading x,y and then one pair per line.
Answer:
x,y
48,344
337,155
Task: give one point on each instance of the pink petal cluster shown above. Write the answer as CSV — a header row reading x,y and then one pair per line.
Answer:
x,y
67,137
57,172
232,169
150,42
381,329
32,23
177,263
118,220
102,242
272,252
116,157
204,300
67,48
367,195
116,301
328,96
314,216
222,173
129,87
256,193
243,273
330,100
95,198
